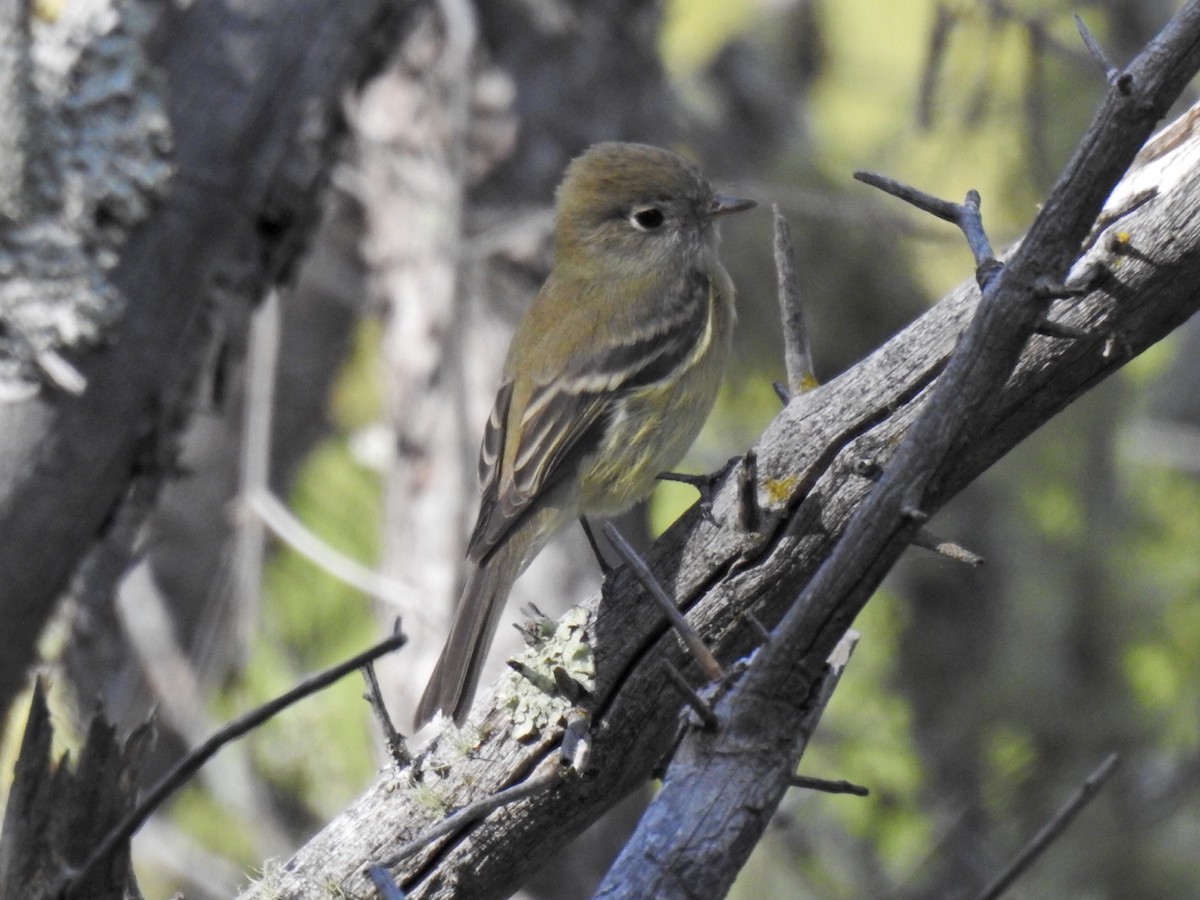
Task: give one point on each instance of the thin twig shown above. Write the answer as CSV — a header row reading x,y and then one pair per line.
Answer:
x,y
699,650
397,748
254,464
534,676
1037,25
1061,330
606,568
705,486
828,787
1052,829
825,207
1094,48
477,810
797,354
694,700
1051,289
965,215
935,206
947,549
186,767
292,532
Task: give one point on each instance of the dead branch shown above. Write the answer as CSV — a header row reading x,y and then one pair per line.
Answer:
x,y
1051,831
57,813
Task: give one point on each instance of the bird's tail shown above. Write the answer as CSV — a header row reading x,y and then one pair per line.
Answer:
x,y
455,678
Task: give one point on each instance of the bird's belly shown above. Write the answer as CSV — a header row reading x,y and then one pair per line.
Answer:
x,y
648,436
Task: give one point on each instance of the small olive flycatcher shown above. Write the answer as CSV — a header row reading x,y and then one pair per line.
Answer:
x,y
609,377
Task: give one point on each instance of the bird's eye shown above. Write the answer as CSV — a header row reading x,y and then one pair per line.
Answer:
x,y
647,219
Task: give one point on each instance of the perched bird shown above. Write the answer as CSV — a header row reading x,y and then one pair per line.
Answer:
x,y
609,377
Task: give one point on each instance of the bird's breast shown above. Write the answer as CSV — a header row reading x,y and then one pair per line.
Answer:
x,y
652,427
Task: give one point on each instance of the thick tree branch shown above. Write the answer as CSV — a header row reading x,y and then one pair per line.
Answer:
x,y
810,488
709,824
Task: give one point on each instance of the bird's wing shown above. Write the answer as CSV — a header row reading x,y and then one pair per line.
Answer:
x,y
565,417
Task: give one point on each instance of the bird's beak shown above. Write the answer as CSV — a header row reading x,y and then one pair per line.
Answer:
x,y
723,206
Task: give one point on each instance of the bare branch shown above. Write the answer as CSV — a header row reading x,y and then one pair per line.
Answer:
x,y
1093,46
477,810
186,767
947,549
725,783
397,748
797,355
700,652
965,215
828,787
693,699
1052,829
814,495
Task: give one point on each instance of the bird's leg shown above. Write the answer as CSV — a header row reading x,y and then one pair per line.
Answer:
x,y
606,568
705,485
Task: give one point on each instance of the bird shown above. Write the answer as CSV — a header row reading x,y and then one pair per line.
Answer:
x,y
610,375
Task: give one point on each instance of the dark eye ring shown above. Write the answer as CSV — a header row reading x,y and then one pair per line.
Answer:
x,y
648,218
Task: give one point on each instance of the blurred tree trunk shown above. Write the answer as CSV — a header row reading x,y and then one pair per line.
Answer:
x,y
68,461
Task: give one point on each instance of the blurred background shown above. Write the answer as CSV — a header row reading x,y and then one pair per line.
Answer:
x,y
330,486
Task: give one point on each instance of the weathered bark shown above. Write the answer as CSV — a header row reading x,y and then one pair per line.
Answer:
x,y
56,816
